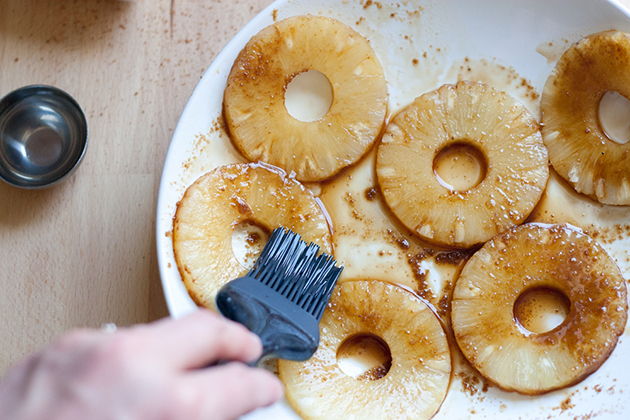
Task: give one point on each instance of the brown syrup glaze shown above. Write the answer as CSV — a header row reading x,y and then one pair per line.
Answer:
x,y
562,259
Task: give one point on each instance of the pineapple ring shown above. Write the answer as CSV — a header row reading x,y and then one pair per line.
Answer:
x,y
419,376
479,116
579,150
529,257
223,199
258,122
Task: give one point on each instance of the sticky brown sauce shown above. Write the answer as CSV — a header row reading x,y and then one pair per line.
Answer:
x,y
609,225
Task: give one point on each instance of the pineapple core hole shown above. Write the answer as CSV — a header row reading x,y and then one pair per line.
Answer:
x,y
614,117
308,96
364,356
541,309
248,241
460,167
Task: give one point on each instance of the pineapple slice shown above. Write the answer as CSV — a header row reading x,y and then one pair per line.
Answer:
x,y
226,198
254,107
579,149
410,385
526,259
469,118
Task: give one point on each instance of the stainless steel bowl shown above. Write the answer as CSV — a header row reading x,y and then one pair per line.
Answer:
x,y
43,136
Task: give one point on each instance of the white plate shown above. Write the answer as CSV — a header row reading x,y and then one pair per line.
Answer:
x,y
421,45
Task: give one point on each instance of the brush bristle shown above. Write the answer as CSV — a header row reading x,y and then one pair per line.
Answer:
x,y
292,268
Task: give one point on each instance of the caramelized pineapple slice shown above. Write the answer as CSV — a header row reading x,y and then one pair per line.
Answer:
x,y
410,382
579,149
545,258
254,106
228,197
477,118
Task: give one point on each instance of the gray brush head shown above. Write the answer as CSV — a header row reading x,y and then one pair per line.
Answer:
x,y
292,268
283,296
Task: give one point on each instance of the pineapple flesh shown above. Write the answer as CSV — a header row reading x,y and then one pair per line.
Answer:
x,y
526,258
225,198
417,381
579,149
478,117
258,122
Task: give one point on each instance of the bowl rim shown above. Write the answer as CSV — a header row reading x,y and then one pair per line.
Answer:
x,y
11,98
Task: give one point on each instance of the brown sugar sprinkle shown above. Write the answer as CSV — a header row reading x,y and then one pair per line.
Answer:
x,y
424,254
403,243
371,193
451,257
469,382
420,274
531,90
566,404
369,3
444,304
252,238
375,373
414,61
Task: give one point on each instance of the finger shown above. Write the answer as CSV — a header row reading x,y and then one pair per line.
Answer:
x,y
229,391
14,387
198,340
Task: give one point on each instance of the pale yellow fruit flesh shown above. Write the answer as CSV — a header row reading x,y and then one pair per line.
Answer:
x,y
538,256
222,199
579,150
417,381
258,121
480,116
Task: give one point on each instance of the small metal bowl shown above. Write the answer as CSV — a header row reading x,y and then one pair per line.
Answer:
x,y
43,136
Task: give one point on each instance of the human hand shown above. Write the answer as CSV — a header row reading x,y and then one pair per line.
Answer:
x,y
147,372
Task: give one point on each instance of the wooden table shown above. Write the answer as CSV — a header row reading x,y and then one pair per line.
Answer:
x,y
83,253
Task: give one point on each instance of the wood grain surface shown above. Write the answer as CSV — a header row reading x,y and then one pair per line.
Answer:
x,y
82,253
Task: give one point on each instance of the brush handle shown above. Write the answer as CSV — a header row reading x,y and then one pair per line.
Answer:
x,y
284,339
286,330
275,343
